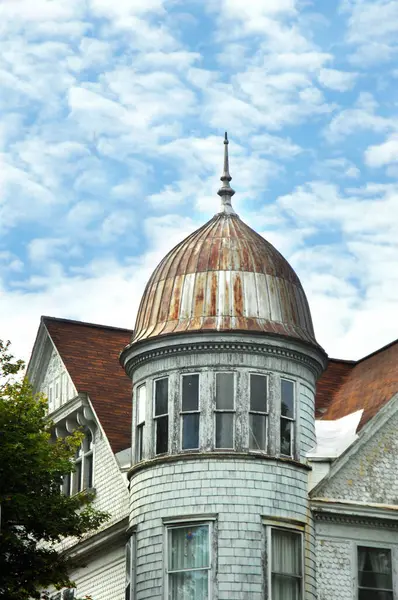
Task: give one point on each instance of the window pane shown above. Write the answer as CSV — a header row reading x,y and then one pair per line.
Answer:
x,y
257,432
374,595
141,404
87,441
285,588
374,568
190,392
189,586
66,484
190,431
76,477
286,552
88,471
128,562
188,547
140,442
162,435
258,393
287,398
286,437
224,390
161,396
224,430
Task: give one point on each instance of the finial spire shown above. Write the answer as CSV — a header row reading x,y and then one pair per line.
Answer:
x,y
225,191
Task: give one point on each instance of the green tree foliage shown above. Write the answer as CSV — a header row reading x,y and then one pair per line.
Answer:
x,y
34,514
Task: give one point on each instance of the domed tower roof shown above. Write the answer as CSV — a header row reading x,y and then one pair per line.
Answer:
x,y
224,277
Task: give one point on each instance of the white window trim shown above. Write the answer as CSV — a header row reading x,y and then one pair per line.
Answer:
x,y
288,526
379,546
189,412
132,543
291,419
183,522
257,412
156,417
231,411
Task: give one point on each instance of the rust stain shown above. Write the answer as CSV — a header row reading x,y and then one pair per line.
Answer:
x,y
238,296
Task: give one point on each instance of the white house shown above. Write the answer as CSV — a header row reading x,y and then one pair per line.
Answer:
x,y
250,466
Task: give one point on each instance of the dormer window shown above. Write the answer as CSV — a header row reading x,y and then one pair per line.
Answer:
x,y
82,477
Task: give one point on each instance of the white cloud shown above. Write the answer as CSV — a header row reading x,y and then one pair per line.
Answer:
x,y
382,154
337,80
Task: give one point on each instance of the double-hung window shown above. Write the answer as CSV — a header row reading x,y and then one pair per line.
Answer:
x,y
224,411
160,415
130,568
287,416
188,562
286,564
141,407
258,412
190,412
374,574
82,477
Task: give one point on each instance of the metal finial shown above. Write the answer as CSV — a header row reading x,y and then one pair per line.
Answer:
x,y
225,191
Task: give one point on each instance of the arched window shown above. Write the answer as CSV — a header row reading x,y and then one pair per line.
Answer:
x,y
82,477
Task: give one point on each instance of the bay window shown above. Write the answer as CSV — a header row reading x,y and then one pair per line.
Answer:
x,y
160,415
374,574
224,411
190,412
141,407
286,564
287,417
188,562
258,412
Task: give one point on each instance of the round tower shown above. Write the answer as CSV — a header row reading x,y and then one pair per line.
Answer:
x,y
224,363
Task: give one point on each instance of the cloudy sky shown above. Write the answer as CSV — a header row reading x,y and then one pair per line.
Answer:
x,y
112,114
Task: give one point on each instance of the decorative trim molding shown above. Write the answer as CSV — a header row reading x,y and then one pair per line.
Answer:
x,y
355,520
206,347
195,456
355,513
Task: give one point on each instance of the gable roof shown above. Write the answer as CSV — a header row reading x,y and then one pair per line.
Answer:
x,y
90,353
349,386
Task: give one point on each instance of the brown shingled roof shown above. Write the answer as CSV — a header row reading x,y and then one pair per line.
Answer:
x,y
91,355
368,383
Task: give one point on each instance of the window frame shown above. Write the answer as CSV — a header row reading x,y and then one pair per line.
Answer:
x,y
131,544
183,523
376,546
217,411
261,413
157,417
139,453
290,527
291,419
189,412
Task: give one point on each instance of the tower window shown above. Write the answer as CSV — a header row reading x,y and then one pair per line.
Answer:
x,y
287,416
224,411
130,568
141,407
161,417
286,579
190,412
258,412
374,574
188,562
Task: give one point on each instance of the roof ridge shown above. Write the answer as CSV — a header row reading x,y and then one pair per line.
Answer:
x,y
45,318
378,350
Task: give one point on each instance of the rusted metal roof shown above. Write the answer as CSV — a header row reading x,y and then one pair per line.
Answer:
x,y
224,277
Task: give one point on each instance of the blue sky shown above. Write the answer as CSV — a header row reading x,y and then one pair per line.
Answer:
x,y
111,122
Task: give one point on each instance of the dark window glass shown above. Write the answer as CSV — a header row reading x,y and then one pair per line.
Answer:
x,y
190,431
140,442
286,437
287,398
374,573
375,595
77,478
127,592
190,392
224,391
88,471
88,438
257,432
66,484
224,430
258,393
162,434
161,396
